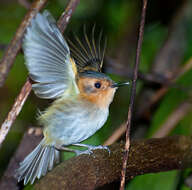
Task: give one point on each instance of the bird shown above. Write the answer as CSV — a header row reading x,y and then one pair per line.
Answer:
x,y
71,76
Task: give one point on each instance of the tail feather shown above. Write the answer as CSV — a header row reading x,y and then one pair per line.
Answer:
x,y
51,159
37,163
44,162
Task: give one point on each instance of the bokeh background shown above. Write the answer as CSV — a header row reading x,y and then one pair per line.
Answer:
x,y
165,73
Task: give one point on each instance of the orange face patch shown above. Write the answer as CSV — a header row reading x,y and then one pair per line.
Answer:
x,y
97,91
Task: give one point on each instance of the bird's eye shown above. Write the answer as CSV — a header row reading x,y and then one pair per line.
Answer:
x,y
97,85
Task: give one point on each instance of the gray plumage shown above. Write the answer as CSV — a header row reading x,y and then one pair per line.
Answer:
x,y
72,122
37,163
47,57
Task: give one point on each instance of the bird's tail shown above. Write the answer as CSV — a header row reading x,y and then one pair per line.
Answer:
x,y
37,163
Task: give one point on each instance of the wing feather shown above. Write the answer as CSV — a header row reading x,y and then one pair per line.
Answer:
x,y
48,59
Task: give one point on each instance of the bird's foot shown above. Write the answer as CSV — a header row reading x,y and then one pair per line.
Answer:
x,y
90,149
79,152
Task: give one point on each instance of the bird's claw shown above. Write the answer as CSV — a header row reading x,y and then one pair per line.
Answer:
x,y
99,147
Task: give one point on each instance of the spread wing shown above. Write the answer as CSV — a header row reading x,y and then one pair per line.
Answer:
x,y
48,59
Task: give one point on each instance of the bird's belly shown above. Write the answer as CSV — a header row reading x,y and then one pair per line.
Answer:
x,y
74,127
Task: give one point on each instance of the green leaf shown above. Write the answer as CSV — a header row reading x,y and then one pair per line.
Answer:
x,y
164,180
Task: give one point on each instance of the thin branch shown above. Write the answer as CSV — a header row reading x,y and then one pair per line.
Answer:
x,y
184,68
15,45
133,92
170,56
116,135
163,90
173,119
115,67
15,110
65,17
87,172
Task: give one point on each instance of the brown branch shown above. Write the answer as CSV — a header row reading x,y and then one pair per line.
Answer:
x,y
163,90
87,172
115,67
116,135
15,45
30,139
171,54
173,119
15,110
65,17
133,92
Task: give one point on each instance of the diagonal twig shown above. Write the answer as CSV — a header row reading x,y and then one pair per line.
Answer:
x,y
15,45
65,17
133,92
116,135
173,119
163,90
17,106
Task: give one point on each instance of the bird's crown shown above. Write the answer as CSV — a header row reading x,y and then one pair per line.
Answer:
x,y
88,53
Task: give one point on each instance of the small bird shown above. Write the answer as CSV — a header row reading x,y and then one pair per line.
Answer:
x,y
81,91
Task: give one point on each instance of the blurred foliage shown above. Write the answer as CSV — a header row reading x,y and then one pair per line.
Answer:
x,y
117,18
164,180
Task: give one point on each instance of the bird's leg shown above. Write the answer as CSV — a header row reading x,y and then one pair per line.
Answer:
x,y
63,148
79,152
90,148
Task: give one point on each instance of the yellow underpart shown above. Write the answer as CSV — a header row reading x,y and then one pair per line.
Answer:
x,y
48,140
73,66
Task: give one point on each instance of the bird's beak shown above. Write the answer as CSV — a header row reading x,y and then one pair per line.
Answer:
x,y
119,84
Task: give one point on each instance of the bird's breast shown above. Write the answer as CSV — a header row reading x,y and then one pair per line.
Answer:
x,y
72,122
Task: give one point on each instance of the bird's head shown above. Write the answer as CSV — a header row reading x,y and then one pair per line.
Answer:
x,y
97,88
